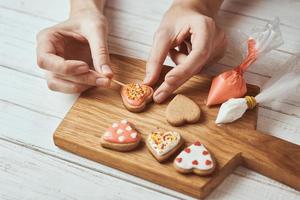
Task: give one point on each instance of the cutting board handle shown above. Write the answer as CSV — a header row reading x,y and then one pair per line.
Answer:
x,y
271,156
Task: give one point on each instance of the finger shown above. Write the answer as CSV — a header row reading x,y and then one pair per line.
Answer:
x,y
160,48
98,43
64,86
91,78
177,56
58,65
47,59
183,48
192,64
173,79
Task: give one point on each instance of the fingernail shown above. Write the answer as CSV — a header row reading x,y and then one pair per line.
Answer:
x,y
82,69
106,70
160,97
103,82
147,79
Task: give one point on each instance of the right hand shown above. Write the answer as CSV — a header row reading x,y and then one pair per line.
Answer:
x,y
69,51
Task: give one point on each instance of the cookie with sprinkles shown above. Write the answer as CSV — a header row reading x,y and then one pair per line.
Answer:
x,y
120,137
195,158
136,96
163,144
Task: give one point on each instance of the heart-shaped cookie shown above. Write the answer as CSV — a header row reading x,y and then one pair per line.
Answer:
x,y
195,158
182,110
163,144
120,136
135,96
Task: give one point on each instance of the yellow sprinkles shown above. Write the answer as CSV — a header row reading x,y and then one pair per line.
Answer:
x,y
135,91
161,139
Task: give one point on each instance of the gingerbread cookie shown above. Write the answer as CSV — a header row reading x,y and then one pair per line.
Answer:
x,y
163,144
135,96
121,137
182,110
195,158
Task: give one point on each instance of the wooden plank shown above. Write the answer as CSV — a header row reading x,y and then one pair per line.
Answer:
x,y
227,20
279,124
21,166
33,93
146,13
28,174
287,11
81,135
119,44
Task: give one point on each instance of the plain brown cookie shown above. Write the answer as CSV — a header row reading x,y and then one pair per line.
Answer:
x,y
182,110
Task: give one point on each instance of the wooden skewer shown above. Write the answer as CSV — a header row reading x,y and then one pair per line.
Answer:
x,y
118,82
115,81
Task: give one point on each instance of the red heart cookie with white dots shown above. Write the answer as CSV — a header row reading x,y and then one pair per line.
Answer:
x,y
121,137
195,158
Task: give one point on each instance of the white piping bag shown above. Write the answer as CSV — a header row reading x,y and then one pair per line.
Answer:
x,y
282,85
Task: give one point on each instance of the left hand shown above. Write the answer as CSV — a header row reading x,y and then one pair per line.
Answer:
x,y
183,22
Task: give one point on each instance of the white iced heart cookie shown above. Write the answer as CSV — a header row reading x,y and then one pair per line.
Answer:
x,y
195,158
163,144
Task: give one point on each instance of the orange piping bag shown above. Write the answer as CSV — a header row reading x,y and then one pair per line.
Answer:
x,y
231,84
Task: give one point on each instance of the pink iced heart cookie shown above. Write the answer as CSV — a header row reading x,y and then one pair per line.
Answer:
x,y
121,137
135,96
195,158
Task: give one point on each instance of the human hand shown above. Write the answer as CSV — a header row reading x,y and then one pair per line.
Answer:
x,y
70,50
185,22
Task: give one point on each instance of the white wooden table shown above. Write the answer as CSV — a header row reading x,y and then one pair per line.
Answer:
x,y
31,167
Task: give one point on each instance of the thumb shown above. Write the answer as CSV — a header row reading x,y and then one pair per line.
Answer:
x,y
98,44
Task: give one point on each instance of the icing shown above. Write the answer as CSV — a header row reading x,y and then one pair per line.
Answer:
x,y
124,121
121,133
196,156
135,93
231,110
163,142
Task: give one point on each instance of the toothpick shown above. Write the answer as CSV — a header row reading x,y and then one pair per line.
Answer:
x,y
115,81
118,82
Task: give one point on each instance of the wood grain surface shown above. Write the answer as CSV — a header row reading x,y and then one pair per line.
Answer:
x,y
97,109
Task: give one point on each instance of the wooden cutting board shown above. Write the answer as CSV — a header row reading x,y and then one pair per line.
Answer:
x,y
232,144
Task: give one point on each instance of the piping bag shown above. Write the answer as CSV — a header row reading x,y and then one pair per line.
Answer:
x,y
231,84
284,84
